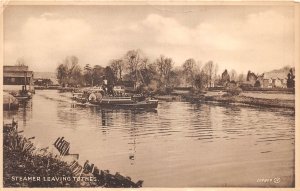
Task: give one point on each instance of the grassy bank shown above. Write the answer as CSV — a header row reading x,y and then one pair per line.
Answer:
x,y
261,102
24,165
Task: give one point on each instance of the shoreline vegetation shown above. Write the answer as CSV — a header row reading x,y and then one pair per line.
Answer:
x,y
161,79
25,165
225,98
261,102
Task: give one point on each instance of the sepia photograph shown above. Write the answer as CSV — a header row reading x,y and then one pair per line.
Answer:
x,y
149,95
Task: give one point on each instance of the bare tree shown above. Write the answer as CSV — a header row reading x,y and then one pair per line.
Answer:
x,y
69,71
21,62
241,78
164,66
216,71
208,69
189,70
233,75
117,65
133,60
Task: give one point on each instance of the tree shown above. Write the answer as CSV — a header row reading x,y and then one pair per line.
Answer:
x,y
117,65
110,77
257,84
98,74
189,70
69,72
208,70
225,77
241,78
74,72
21,62
216,71
133,60
164,67
233,75
88,75
175,78
291,79
251,77
201,80
61,74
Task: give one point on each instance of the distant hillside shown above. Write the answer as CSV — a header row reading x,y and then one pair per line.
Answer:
x,y
278,73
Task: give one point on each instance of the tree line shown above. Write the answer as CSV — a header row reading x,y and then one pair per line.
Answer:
x,y
157,75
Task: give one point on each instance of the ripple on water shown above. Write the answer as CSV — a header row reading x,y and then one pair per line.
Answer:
x,y
181,138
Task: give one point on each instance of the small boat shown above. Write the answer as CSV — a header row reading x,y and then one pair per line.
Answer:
x,y
79,97
22,95
10,102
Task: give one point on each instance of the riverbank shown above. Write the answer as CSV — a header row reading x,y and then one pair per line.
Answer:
x,y
25,165
262,98
261,102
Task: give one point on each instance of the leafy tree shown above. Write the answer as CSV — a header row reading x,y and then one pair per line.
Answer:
x,y
98,74
291,79
201,80
110,77
251,76
175,77
257,84
61,74
69,72
225,77
88,75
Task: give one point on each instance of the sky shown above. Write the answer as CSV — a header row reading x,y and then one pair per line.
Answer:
x,y
256,38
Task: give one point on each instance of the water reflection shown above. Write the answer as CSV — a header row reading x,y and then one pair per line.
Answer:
x,y
178,139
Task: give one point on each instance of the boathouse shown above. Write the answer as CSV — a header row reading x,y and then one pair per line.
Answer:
x,y
17,77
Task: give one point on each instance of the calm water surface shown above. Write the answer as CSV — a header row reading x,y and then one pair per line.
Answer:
x,y
179,145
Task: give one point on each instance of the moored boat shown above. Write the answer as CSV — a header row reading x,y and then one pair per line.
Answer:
x,y
10,102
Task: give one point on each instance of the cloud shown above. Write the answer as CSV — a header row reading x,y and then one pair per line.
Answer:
x,y
45,39
167,30
259,41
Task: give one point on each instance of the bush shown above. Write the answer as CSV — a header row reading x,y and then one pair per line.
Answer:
x,y
233,90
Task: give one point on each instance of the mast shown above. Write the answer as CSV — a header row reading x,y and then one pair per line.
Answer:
x,y
25,79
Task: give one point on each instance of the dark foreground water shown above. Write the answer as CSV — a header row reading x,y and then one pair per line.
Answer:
x,y
179,145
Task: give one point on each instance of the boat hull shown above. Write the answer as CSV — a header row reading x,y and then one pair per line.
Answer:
x,y
133,105
115,102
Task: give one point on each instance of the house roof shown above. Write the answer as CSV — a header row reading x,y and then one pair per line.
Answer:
x,y
16,74
15,68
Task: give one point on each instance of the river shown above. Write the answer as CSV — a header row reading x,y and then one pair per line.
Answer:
x,y
178,145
